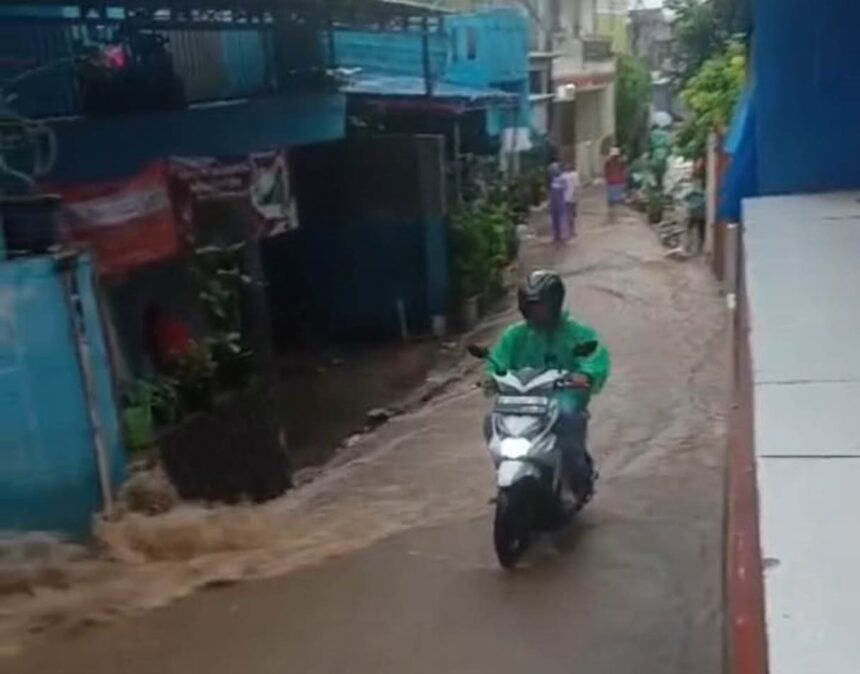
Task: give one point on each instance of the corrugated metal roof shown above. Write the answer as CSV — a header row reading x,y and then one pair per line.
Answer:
x,y
371,84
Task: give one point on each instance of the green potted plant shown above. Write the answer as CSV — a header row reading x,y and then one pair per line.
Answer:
x,y
223,281
497,227
470,264
164,402
136,417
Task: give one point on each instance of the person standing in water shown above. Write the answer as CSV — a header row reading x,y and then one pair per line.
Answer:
x,y
615,174
571,178
557,204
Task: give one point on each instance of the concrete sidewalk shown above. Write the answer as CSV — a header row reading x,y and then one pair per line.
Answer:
x,y
793,561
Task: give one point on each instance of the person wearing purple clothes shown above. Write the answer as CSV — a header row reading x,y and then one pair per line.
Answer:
x,y
571,193
557,204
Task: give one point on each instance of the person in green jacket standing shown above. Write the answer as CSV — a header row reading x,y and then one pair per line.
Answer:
x,y
659,150
548,338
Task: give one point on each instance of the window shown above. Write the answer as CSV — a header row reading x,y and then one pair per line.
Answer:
x,y
455,45
471,44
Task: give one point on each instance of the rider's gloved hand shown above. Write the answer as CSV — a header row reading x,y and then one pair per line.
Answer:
x,y
580,381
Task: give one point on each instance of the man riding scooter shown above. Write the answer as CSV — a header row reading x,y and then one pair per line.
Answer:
x,y
549,338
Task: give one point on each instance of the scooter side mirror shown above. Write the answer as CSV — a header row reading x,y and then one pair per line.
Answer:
x,y
585,349
478,351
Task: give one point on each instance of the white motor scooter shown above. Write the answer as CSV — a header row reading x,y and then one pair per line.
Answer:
x,y
533,494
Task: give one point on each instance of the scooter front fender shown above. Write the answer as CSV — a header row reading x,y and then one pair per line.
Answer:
x,y
510,472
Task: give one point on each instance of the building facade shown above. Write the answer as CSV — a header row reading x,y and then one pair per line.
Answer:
x,y
573,45
588,34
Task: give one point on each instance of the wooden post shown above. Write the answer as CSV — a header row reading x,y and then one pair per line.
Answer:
x,y
712,181
458,168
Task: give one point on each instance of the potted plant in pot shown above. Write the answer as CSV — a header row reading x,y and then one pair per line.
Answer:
x,y
471,258
138,427
498,228
165,402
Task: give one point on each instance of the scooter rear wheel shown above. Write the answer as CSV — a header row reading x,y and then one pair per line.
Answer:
x,y
512,527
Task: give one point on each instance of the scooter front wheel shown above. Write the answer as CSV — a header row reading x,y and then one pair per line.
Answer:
x,y
512,527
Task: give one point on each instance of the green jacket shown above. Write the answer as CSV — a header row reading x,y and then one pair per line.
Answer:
x,y
523,346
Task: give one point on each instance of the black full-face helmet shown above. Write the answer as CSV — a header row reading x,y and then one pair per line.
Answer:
x,y
545,288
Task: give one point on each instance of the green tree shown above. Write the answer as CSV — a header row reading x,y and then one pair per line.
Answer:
x,y
632,98
701,30
698,35
710,96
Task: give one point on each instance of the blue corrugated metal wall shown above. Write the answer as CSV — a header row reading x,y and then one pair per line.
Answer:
x,y
48,470
487,48
484,49
372,232
95,149
348,276
805,58
389,52
244,54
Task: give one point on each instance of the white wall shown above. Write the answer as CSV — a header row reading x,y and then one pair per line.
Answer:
x,y
587,16
595,121
540,118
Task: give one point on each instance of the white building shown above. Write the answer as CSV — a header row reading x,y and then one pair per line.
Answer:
x,y
587,37
572,72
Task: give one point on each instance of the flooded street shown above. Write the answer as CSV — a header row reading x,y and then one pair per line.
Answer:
x,y
384,563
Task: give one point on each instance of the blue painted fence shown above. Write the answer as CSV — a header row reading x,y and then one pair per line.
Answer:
x,y
48,467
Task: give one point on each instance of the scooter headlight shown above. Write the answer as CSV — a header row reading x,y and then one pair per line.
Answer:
x,y
514,448
519,426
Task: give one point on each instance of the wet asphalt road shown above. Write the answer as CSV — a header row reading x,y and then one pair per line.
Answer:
x,y
631,587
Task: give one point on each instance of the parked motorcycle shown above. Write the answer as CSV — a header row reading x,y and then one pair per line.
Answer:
x,y
533,495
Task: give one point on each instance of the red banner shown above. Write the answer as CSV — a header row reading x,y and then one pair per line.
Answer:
x,y
128,222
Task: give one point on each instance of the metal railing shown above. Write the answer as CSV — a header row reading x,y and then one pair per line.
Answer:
x,y
209,63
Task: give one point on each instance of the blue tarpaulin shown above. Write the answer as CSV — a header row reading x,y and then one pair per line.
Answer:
x,y
741,179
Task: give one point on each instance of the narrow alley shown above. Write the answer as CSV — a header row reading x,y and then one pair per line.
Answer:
x,y
385,564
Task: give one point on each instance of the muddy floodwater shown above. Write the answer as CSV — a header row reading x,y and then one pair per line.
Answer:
x,y
384,562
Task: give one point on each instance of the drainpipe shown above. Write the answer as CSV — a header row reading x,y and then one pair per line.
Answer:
x,y
425,48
